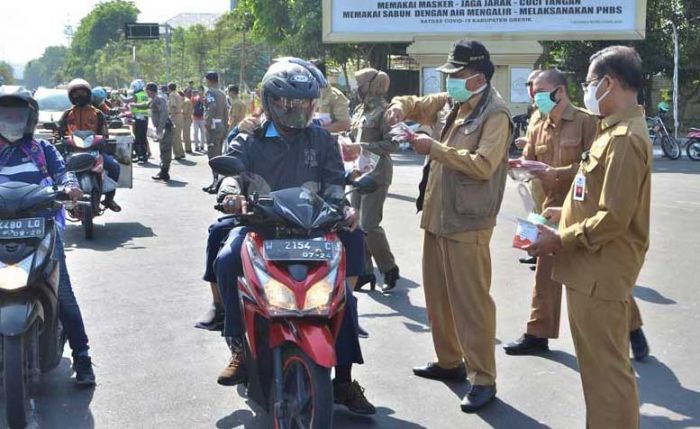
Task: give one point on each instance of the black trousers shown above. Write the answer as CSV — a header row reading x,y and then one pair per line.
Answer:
x,y
140,136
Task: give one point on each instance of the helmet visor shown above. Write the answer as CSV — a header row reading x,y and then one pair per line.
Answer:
x,y
13,122
292,112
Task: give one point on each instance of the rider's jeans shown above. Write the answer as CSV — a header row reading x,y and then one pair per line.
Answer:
x,y
69,311
112,168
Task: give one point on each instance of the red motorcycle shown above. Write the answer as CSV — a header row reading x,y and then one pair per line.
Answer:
x,y
693,147
292,295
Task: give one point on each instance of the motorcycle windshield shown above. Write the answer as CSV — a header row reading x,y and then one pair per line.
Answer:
x,y
301,207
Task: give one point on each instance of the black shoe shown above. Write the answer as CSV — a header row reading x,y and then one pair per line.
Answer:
x,y
112,205
362,333
533,267
364,279
212,320
477,398
162,175
434,372
640,347
84,375
189,152
530,261
177,158
352,395
391,278
527,345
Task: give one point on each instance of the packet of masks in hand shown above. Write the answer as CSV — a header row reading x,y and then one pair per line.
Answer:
x,y
526,231
521,169
402,132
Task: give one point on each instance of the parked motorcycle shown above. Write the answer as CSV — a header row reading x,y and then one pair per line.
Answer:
x,y
660,136
93,178
293,299
30,331
693,147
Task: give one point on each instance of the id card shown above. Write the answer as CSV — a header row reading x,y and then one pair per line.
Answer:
x,y
579,187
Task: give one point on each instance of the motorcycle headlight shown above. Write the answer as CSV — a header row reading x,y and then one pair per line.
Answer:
x,y
13,277
318,297
277,294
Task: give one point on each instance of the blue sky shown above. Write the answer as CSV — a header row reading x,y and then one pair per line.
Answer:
x,y
29,26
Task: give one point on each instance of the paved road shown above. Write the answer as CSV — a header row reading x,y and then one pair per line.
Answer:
x,y
139,285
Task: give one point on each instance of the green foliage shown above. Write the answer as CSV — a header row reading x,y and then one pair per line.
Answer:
x,y
46,70
6,73
656,49
103,25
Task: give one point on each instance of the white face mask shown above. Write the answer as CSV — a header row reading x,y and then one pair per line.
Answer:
x,y
13,122
589,98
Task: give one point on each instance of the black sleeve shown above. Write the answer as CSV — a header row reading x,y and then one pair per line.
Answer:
x,y
102,127
63,124
333,170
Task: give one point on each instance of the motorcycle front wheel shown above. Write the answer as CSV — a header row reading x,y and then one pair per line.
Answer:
x,y
308,394
693,149
670,147
14,370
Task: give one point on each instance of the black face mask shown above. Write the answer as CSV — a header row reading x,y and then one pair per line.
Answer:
x,y
81,101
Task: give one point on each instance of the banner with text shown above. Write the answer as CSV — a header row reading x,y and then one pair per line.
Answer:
x,y
364,20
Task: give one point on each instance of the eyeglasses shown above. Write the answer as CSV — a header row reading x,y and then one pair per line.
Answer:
x,y
586,84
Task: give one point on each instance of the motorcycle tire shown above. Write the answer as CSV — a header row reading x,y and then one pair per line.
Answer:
x,y
670,147
16,394
307,383
87,221
693,149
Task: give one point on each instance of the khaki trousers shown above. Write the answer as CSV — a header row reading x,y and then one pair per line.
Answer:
x,y
178,121
187,133
546,303
371,209
600,330
462,314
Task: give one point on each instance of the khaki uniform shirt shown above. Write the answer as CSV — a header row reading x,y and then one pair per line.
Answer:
x,y
368,128
605,237
481,164
560,145
236,112
174,104
334,103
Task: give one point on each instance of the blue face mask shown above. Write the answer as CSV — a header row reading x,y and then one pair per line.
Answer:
x,y
457,88
545,101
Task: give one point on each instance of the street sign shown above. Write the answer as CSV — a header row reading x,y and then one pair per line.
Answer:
x,y
141,31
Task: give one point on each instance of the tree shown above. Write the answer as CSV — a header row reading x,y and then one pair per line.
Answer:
x,y
6,73
34,73
656,49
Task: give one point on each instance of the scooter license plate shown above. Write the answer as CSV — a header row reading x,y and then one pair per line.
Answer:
x,y
298,250
21,228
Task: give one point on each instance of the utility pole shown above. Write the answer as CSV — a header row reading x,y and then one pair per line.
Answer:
x,y
168,51
241,77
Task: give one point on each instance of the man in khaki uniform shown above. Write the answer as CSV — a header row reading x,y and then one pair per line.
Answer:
x,y
187,108
333,108
370,133
176,116
558,140
215,120
236,110
603,237
464,191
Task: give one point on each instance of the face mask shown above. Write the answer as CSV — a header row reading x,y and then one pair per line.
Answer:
x,y
81,100
13,122
457,88
545,101
589,98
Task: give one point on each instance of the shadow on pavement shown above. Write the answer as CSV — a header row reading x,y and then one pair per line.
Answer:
x,y
399,301
343,419
659,386
402,197
683,166
562,357
107,237
501,415
172,183
651,295
148,164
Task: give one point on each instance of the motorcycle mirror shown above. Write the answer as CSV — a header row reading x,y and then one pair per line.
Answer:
x,y
226,165
80,162
365,185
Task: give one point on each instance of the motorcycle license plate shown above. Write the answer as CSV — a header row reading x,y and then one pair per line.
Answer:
x,y
298,250
21,228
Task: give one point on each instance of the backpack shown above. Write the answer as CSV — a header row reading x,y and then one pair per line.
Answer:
x,y
198,108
